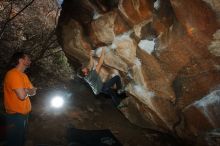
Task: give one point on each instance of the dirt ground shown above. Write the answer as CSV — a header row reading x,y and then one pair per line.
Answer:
x,y
48,126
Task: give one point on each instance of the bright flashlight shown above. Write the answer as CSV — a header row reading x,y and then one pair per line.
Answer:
x,y
57,102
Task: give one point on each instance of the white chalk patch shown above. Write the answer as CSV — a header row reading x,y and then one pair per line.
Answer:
x,y
147,45
157,4
98,51
205,103
137,62
212,98
60,2
113,46
142,92
124,36
147,97
96,15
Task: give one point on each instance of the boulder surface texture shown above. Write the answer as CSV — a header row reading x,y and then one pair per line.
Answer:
x,y
166,52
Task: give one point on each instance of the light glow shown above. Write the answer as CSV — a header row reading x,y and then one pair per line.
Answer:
x,y
57,102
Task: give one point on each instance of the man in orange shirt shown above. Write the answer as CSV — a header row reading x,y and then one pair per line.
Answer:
x,y
17,89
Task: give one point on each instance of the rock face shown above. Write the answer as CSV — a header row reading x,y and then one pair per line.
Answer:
x,y
169,49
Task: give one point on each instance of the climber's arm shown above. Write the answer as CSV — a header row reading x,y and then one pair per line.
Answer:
x,y
101,61
91,61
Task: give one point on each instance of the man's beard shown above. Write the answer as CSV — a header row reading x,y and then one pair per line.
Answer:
x,y
27,66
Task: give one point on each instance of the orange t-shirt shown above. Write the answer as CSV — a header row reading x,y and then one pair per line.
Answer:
x,y
15,79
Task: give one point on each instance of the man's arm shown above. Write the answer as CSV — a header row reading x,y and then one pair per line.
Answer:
x,y
101,61
23,93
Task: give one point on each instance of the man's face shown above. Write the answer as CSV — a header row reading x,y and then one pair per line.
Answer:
x,y
26,61
85,71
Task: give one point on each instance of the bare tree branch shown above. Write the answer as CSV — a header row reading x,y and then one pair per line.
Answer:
x,y
43,51
56,17
6,7
51,54
10,19
46,45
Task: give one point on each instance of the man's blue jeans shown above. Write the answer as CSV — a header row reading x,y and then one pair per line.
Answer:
x,y
16,129
107,89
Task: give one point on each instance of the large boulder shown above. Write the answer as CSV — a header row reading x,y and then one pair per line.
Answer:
x,y
167,53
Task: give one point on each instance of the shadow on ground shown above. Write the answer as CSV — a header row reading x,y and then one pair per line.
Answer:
x,y
83,110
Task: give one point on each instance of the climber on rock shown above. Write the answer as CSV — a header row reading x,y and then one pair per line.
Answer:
x,y
91,75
